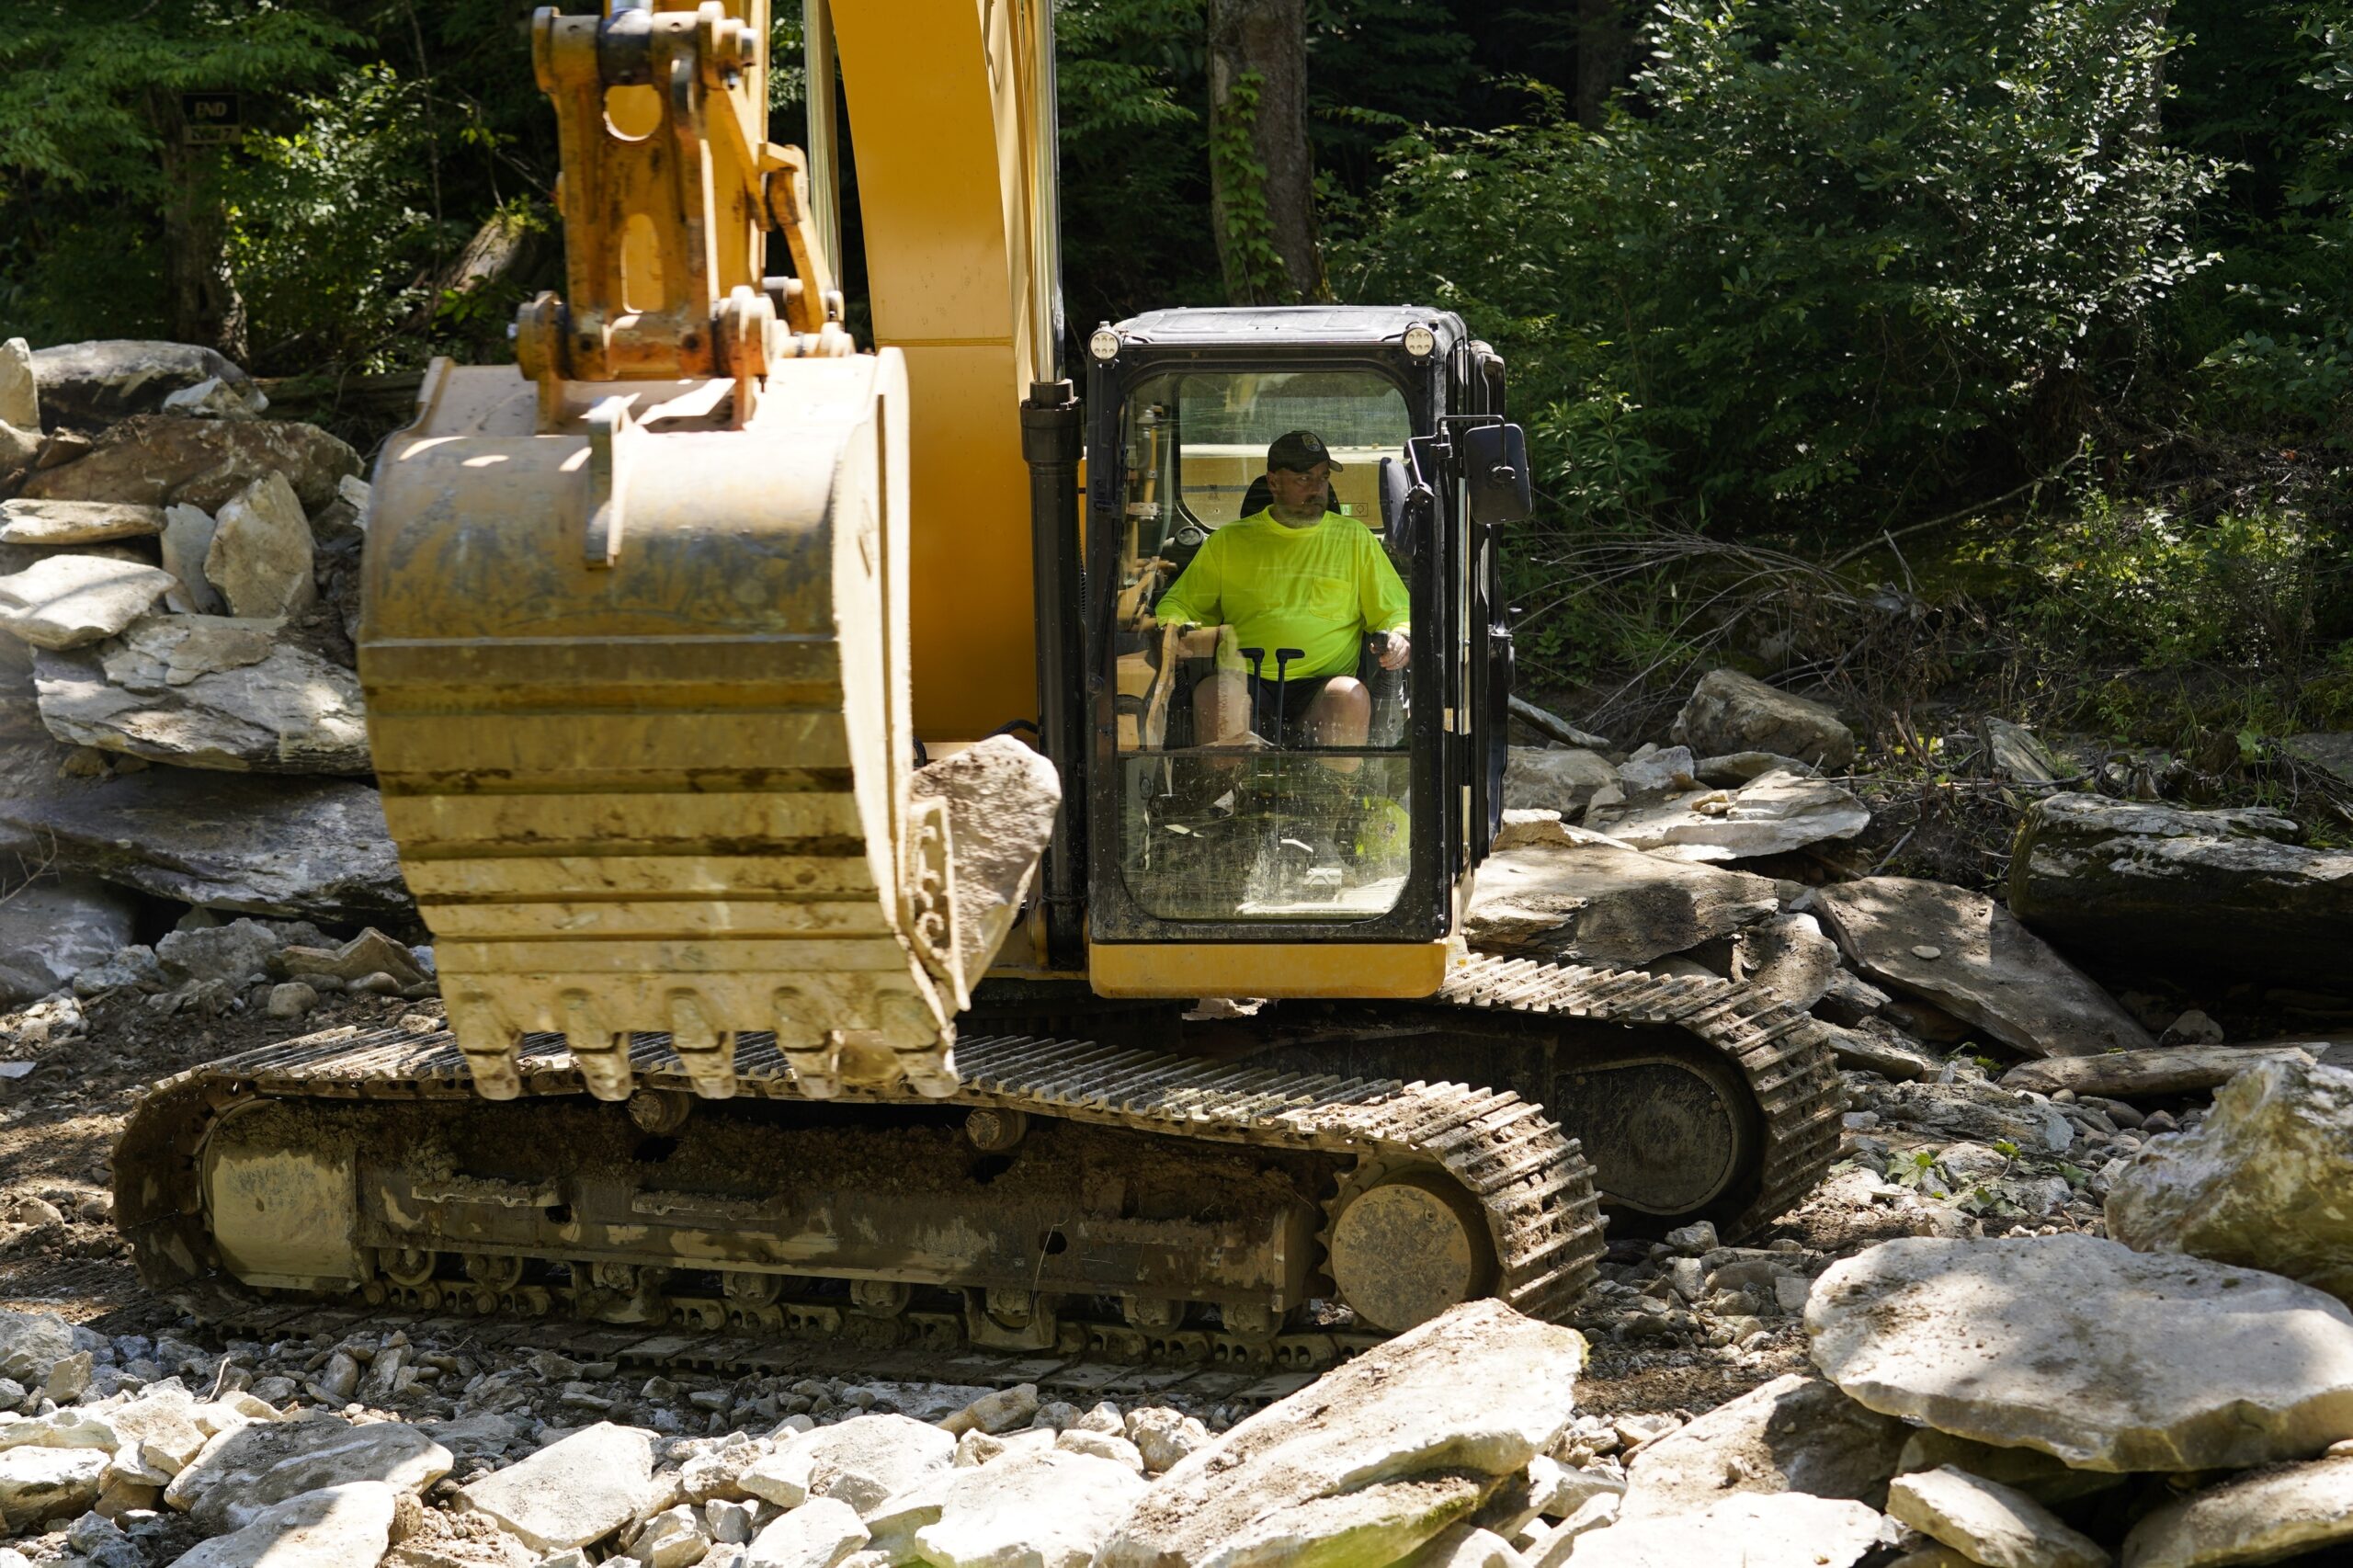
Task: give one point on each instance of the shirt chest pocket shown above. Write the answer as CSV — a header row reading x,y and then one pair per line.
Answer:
x,y
1328,600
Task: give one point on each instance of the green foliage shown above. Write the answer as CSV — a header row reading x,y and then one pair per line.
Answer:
x,y
1255,266
1839,253
2135,581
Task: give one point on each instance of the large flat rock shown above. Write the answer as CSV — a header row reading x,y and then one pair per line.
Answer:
x,y
1729,711
1049,1509
1988,1522
2206,892
1558,778
67,600
2265,1516
1771,814
1606,903
293,849
161,460
53,929
75,522
94,384
2265,1181
1962,951
1794,1434
207,691
2074,1346
1787,1530
1372,1459
334,1526
571,1493
242,1471
2167,1070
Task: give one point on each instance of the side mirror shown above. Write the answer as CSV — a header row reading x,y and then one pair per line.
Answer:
x,y
1495,466
1404,505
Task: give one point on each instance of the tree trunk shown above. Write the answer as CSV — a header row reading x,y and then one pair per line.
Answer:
x,y
206,308
1604,41
1262,170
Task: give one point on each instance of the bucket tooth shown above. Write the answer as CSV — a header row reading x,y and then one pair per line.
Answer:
x,y
601,1053
490,1047
707,1051
812,1052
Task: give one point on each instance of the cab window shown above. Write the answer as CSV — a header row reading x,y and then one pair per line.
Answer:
x,y
1260,743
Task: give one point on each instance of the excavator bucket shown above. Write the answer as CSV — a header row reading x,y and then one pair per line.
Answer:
x,y
637,689
634,629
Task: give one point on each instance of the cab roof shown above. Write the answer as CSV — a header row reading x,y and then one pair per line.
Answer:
x,y
1255,326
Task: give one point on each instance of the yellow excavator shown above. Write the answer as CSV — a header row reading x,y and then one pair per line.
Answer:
x,y
691,642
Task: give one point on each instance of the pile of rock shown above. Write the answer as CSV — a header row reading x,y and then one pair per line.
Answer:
x,y
1457,1443
280,968
179,716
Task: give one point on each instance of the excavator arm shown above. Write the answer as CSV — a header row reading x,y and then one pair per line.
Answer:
x,y
635,635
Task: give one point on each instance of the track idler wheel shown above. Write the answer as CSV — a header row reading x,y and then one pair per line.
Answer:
x,y
1407,1244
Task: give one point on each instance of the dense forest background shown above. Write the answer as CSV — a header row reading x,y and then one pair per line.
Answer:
x,y
1887,344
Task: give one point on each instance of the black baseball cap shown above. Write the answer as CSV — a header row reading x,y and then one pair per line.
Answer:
x,y
1298,451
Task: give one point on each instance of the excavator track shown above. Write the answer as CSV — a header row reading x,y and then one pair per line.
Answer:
x,y
1530,1186
1783,1053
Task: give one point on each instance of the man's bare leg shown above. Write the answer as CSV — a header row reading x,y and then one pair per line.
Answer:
x,y
1222,709
1341,715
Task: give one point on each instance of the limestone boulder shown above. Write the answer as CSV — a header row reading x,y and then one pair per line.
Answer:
x,y
260,557
2169,1070
1988,1522
2218,892
187,540
1370,1460
1049,1509
1788,1529
243,1471
861,1462
1001,797
571,1493
1735,768
292,848
333,1526
93,384
818,1534
232,951
208,692
65,601
2266,1181
1794,1434
1559,778
1733,712
1606,903
19,386
2073,1345
1771,814
1788,957
2265,1516
39,1482
53,929
31,1343
77,522
1963,952
159,460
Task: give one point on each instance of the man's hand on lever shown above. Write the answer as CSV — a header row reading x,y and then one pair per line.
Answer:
x,y
1396,648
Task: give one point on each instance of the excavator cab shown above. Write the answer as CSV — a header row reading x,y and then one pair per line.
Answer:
x,y
1288,859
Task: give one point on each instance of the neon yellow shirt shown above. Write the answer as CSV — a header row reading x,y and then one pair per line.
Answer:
x,y
1319,588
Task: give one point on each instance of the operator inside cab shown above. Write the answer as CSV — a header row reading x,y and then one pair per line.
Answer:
x,y
1303,586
